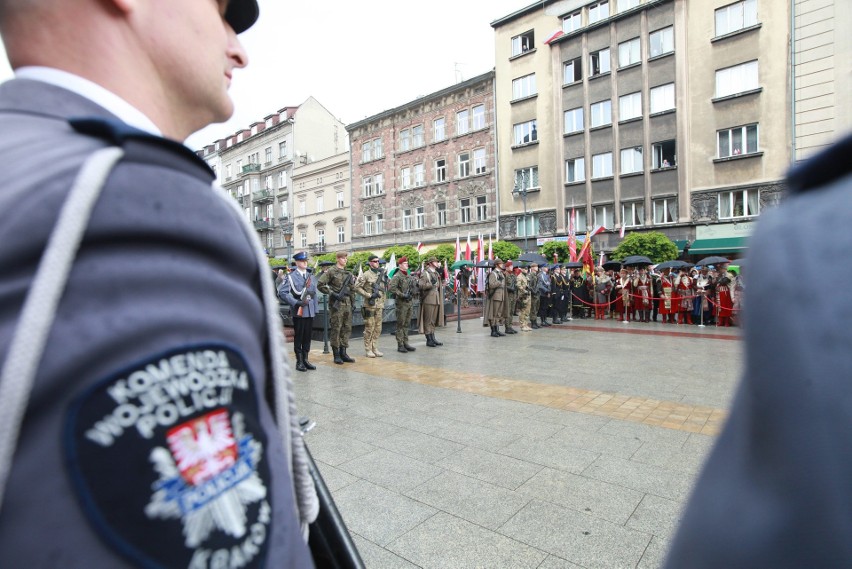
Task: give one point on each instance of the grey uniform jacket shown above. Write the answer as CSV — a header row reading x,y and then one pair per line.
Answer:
x,y
147,439
291,288
777,489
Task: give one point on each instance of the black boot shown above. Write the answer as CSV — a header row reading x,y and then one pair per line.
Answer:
x,y
409,348
306,363
534,324
430,342
345,357
494,333
300,362
401,348
510,330
499,333
336,352
435,340
544,323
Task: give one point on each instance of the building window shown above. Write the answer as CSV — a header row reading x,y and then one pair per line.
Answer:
x,y
227,171
527,178
481,208
380,223
579,216
631,160
285,209
420,217
523,43
320,207
736,17
465,209
599,62
598,12
601,113
407,219
661,41
282,179
368,186
525,132
419,175
368,225
267,183
575,170
627,4
662,98
367,151
268,155
602,165
737,141
572,22
340,199
604,216
404,140
739,203
405,176
282,149
574,120
379,183
270,240
665,210
417,136
464,165
630,106
629,52
439,130
736,79
632,214
440,170
321,239
528,227
479,161
377,148
441,214
664,154
462,122
572,71
524,86
478,117
303,239
341,234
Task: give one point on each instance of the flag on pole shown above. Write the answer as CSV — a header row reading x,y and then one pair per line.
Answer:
x,y
467,248
360,269
446,272
458,258
490,248
572,237
480,273
621,233
419,246
390,268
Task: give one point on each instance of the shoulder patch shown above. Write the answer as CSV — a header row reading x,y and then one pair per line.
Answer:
x,y
168,460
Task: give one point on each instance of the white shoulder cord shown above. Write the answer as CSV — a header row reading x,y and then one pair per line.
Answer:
x,y
39,310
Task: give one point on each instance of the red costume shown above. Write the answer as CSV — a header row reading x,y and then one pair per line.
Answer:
x,y
668,300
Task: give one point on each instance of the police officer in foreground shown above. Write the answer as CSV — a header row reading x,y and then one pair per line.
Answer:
x,y
402,287
157,430
299,290
339,285
371,286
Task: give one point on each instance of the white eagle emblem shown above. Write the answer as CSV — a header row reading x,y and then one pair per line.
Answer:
x,y
208,477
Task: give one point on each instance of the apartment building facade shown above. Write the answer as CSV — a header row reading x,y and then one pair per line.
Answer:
x,y
661,115
425,172
321,196
256,165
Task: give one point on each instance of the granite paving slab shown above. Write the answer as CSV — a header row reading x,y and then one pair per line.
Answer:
x,y
489,467
390,470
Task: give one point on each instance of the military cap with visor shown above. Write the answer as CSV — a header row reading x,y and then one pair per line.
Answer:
x,y
241,14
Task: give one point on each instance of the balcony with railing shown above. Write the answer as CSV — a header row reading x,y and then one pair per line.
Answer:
x,y
263,196
265,224
316,248
251,168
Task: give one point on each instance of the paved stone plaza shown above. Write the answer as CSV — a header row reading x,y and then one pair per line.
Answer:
x,y
566,447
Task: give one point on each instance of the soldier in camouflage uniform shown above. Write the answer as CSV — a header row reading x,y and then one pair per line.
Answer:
x,y
338,284
511,297
523,300
370,285
403,287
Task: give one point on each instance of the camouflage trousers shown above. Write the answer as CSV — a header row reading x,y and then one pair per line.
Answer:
x,y
372,326
340,325
524,310
534,302
403,321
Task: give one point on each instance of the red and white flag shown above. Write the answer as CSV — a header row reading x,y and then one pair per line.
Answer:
x,y
490,248
621,233
419,246
467,248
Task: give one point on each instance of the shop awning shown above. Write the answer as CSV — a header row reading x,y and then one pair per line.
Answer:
x,y
680,244
720,245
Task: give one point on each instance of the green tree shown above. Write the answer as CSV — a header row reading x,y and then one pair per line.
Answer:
x,y
358,260
277,263
443,253
325,257
403,251
560,248
506,250
654,245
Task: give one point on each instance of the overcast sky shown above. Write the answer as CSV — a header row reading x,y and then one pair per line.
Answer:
x,y
356,58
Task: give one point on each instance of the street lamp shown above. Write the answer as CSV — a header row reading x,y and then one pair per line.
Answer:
x,y
288,238
522,191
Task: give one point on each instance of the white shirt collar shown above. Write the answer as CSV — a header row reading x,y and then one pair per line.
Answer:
x,y
92,91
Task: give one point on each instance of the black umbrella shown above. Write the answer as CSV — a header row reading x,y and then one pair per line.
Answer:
x,y
612,266
676,264
637,260
533,258
712,261
484,264
573,265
